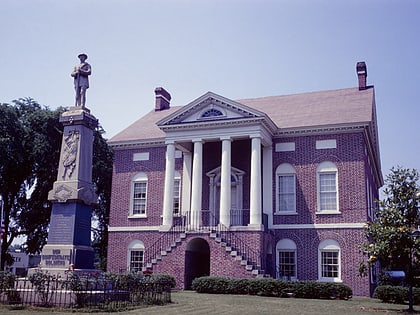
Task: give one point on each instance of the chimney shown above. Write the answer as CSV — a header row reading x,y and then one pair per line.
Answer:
x,y
163,99
361,75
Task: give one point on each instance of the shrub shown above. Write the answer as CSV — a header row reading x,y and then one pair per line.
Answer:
x,y
44,284
7,281
267,286
164,279
309,290
272,287
391,294
211,285
238,286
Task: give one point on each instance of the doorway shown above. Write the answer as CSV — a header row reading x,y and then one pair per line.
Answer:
x,y
236,199
197,261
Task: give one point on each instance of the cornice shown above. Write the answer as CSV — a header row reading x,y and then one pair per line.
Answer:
x,y
316,130
134,144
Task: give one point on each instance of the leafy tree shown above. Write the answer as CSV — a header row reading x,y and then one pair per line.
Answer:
x,y
390,234
30,141
102,177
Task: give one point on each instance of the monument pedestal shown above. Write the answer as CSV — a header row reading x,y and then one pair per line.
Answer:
x,y
69,237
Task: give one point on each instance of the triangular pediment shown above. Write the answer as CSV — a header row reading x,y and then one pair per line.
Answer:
x,y
210,107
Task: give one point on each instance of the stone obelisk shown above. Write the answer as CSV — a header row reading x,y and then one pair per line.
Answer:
x,y
69,236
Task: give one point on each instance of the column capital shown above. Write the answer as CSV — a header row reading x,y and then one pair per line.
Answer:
x,y
169,142
255,136
228,138
197,140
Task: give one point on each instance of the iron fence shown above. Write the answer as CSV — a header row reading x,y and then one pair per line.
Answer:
x,y
90,292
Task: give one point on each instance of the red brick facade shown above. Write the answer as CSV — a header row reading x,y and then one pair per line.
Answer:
x,y
357,164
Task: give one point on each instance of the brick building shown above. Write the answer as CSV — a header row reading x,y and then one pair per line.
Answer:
x,y
279,185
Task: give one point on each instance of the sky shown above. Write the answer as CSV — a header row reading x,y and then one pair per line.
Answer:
x,y
237,49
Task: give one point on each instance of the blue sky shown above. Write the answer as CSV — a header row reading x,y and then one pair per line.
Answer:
x,y
238,49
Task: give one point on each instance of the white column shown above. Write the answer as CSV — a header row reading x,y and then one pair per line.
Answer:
x,y
267,185
168,195
225,182
255,195
186,183
196,191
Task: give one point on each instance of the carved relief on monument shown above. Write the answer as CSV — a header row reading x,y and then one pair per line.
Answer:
x,y
62,193
71,144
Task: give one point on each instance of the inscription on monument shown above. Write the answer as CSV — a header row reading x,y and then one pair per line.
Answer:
x,y
56,258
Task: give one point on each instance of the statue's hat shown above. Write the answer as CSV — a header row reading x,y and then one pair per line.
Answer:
x,y
82,55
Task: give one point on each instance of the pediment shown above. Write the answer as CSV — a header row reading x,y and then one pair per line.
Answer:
x,y
210,107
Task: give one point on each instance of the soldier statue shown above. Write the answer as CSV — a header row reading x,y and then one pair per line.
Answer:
x,y
81,74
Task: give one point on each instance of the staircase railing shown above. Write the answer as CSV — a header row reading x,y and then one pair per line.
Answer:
x,y
253,256
210,224
164,241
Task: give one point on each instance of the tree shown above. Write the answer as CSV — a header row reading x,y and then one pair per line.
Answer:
x,y
390,235
102,177
29,155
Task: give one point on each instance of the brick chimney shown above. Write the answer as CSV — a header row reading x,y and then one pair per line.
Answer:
x,y
361,75
163,99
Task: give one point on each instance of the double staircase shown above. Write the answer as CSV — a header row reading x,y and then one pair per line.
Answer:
x,y
247,257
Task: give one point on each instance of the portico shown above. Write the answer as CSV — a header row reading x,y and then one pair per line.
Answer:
x,y
225,193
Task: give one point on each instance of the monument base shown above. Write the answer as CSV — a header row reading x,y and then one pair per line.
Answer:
x,y
67,257
59,260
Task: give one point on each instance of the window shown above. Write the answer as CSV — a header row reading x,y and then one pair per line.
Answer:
x,y
329,261
286,259
327,187
212,112
286,189
177,195
139,195
135,256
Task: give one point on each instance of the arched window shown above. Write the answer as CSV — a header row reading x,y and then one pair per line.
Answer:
x,y
135,256
286,259
212,112
286,189
139,195
327,186
329,261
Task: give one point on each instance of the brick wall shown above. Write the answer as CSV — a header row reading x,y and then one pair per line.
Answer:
x,y
354,170
349,158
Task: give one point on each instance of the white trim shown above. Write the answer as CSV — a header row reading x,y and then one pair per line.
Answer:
x,y
135,245
137,216
133,228
141,156
286,245
285,169
140,177
285,147
331,246
327,168
157,228
319,226
326,144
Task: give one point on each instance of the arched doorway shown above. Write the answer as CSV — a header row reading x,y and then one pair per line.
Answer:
x,y
236,199
197,261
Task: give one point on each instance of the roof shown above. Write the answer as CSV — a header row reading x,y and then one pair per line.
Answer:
x,y
313,109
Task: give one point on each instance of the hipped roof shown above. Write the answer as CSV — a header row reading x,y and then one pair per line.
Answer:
x,y
314,109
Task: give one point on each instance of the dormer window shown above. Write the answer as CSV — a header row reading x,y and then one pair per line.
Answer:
x,y
212,112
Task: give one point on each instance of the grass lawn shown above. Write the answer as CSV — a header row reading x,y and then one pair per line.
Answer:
x,y
188,303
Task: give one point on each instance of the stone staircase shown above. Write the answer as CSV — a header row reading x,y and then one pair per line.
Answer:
x,y
234,250
236,253
164,252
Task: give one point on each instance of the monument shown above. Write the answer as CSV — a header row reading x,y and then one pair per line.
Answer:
x,y
69,237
